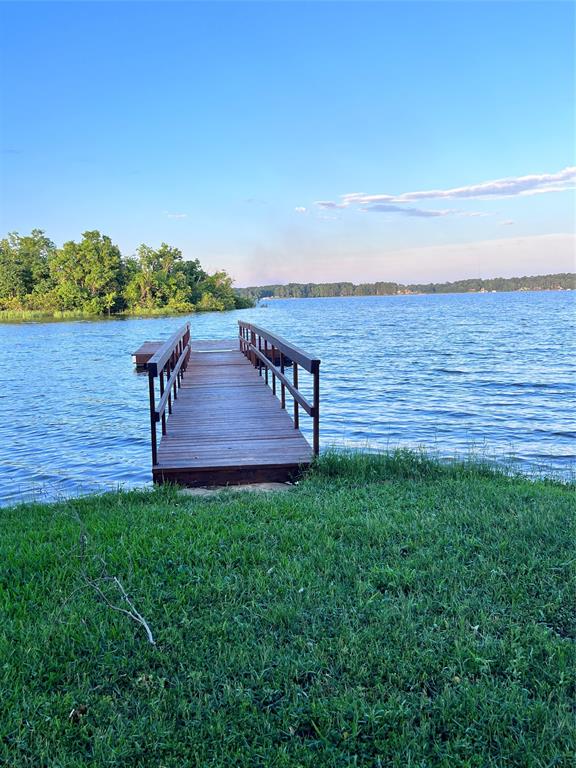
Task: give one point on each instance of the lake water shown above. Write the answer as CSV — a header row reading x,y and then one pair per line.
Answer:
x,y
490,373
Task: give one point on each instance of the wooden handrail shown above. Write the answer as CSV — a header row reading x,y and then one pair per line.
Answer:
x,y
251,338
158,360
161,407
169,361
289,386
295,354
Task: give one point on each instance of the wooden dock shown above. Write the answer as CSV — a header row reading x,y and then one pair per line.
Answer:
x,y
221,406
144,352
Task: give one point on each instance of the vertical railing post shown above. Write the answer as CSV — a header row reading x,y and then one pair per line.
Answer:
x,y
175,381
168,369
259,359
164,411
179,348
282,385
152,418
273,353
316,406
188,347
185,342
266,356
253,343
296,412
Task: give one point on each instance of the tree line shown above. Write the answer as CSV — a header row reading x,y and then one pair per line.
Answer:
x,y
91,276
559,281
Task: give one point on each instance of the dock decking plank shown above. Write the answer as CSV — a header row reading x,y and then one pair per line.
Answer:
x,y
227,427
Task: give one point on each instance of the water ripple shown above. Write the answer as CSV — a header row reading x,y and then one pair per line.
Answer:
x,y
492,373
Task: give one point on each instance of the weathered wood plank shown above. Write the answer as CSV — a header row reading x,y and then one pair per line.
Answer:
x,y
209,345
226,426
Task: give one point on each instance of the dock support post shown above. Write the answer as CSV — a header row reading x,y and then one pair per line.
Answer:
x,y
316,406
168,372
296,411
161,393
152,418
259,360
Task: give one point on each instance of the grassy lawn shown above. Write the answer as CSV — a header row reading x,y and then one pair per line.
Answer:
x,y
387,611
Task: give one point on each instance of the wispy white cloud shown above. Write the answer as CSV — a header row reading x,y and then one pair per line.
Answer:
x,y
330,204
175,215
300,209
516,186
404,210
507,223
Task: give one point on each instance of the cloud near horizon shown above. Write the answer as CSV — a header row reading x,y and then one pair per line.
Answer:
x,y
519,186
311,259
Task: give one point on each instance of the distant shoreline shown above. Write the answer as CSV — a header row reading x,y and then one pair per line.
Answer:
x,y
422,293
563,281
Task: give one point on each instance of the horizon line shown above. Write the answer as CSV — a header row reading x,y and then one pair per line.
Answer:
x,y
406,285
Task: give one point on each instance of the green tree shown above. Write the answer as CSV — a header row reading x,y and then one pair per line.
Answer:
x,y
24,266
217,292
195,276
88,275
159,280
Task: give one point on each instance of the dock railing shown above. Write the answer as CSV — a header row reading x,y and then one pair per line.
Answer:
x,y
272,354
167,365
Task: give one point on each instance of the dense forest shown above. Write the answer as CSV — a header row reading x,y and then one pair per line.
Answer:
x,y
475,285
93,277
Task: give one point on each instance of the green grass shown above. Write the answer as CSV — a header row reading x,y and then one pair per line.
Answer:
x,y
41,315
9,315
388,611
20,315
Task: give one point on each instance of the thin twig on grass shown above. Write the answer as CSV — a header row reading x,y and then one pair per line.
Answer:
x,y
131,611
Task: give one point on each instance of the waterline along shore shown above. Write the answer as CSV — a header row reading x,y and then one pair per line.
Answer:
x,y
385,610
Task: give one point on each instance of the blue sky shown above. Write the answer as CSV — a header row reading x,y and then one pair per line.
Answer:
x,y
220,127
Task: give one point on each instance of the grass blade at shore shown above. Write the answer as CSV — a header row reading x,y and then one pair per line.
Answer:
x,y
387,611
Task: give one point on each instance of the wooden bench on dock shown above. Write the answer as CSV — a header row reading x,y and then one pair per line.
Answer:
x,y
221,407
